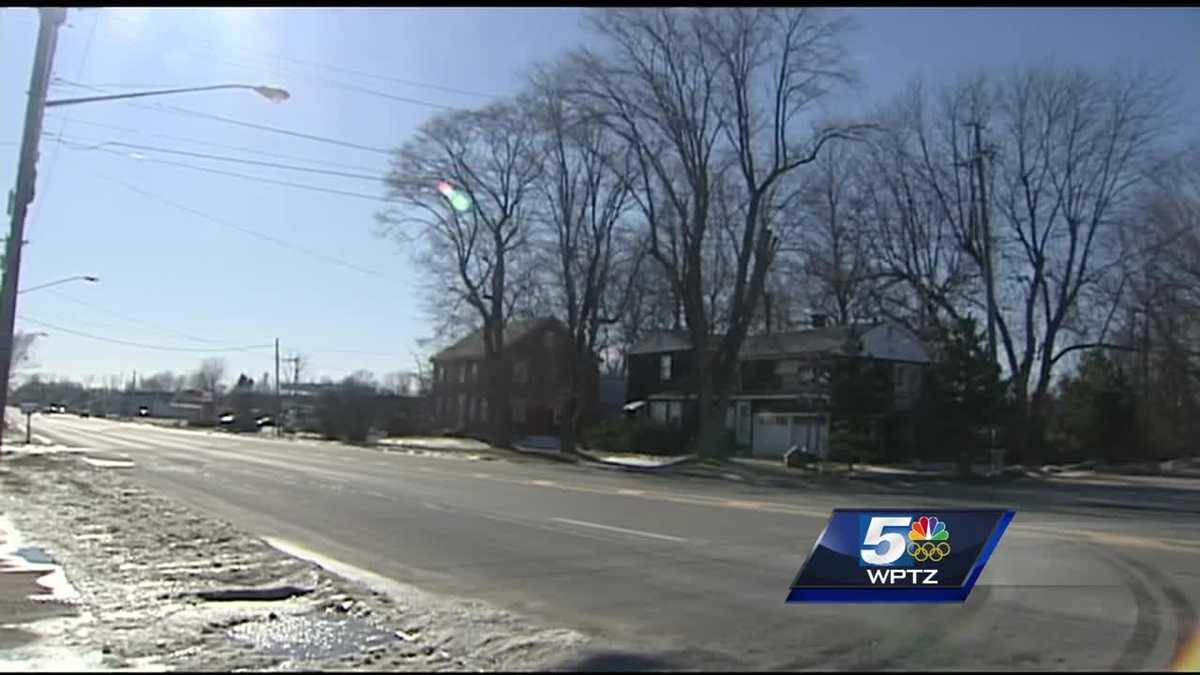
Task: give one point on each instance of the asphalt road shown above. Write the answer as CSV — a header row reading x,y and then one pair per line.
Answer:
x,y
685,573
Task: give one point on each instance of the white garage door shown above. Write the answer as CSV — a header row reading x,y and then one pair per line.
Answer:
x,y
774,433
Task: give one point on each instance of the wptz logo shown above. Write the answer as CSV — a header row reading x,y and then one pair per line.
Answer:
x,y
928,541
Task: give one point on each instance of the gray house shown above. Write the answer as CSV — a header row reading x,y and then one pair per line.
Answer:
x,y
784,382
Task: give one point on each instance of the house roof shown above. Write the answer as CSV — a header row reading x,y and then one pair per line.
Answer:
x,y
471,346
828,339
832,339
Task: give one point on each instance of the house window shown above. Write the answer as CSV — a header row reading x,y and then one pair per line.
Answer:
x,y
462,408
664,367
518,410
658,411
462,373
521,372
471,403
675,413
474,371
483,410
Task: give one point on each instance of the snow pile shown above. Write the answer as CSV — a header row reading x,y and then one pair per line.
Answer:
x,y
26,450
436,443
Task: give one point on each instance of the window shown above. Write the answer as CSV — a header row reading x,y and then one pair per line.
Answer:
x,y
521,372
471,403
675,413
664,367
658,411
518,410
462,373
474,371
462,408
483,410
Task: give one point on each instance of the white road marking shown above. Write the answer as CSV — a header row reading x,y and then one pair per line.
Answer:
x,y
611,528
109,463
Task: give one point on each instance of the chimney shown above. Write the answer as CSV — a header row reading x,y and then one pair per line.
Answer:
x,y
819,320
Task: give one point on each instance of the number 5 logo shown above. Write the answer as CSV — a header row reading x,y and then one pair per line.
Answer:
x,y
875,536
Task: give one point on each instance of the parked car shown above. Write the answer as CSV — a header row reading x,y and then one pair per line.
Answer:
x,y
143,411
227,419
265,421
85,413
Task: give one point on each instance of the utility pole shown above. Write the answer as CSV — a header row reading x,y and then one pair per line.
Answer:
x,y
981,227
278,403
986,227
39,80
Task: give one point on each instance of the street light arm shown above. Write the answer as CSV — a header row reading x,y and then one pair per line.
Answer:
x,y
273,93
60,281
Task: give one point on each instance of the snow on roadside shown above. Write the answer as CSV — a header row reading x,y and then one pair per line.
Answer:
x,y
651,461
139,559
46,624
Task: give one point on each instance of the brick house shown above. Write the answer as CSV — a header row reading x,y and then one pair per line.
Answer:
x,y
782,394
536,352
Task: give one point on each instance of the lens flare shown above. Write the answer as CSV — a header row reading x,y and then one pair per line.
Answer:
x,y
1187,660
457,199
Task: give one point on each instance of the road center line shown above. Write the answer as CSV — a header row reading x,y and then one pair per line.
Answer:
x,y
584,523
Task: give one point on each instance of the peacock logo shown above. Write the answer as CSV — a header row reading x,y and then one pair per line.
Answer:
x,y
929,540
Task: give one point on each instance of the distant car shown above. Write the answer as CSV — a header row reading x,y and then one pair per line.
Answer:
x,y
85,413
227,419
265,421
143,411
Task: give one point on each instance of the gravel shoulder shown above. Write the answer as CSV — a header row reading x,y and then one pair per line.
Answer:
x,y
162,586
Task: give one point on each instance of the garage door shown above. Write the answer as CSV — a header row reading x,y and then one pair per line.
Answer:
x,y
774,433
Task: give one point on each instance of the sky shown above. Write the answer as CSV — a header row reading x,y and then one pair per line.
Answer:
x,y
191,260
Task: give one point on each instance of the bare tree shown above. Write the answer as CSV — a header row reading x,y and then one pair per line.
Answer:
x,y
830,264
474,228
1157,303
165,380
709,100
209,375
22,355
1067,149
925,280
583,195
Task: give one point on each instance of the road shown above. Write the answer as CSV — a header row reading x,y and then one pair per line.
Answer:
x,y
684,573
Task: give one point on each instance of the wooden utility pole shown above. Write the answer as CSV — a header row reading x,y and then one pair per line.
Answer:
x,y
22,196
278,402
985,226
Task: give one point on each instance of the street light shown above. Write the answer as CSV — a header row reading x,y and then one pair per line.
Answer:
x,y
84,277
20,198
272,94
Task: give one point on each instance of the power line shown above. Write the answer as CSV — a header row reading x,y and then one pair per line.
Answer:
x,y
223,146
49,175
258,179
137,344
130,319
230,120
243,229
221,158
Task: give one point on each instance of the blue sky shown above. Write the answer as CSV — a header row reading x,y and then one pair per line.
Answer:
x,y
185,276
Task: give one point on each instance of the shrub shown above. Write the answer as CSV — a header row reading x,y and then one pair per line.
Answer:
x,y
612,435
347,411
